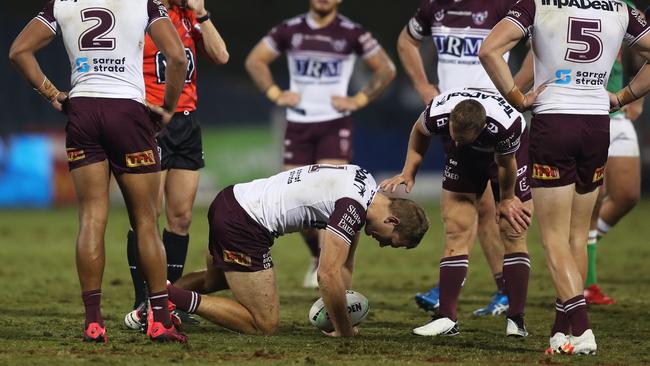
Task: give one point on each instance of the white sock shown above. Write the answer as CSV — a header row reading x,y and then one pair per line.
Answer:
x,y
593,237
603,227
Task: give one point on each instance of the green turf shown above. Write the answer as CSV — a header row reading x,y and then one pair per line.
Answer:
x,y
41,311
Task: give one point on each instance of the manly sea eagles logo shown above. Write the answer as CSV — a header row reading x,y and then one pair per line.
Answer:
x,y
296,40
439,15
480,17
339,44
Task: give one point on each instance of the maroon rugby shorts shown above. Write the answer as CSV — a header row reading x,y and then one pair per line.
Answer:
x,y
469,171
308,143
119,130
237,242
567,149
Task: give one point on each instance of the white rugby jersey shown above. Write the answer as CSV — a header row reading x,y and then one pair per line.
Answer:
x,y
575,44
458,29
335,197
320,61
504,124
104,40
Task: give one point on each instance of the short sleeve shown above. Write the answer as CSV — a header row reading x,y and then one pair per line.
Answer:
x,y
365,44
278,38
436,124
156,11
637,26
509,140
46,16
348,218
419,25
522,14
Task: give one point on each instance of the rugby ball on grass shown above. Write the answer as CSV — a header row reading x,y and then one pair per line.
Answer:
x,y
357,308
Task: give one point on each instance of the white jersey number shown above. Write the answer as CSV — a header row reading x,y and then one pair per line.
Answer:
x,y
94,38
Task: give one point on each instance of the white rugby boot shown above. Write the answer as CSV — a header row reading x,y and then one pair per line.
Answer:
x,y
439,325
584,344
311,277
515,326
556,342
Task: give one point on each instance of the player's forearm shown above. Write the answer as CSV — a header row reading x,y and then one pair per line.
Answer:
x,y
381,78
260,72
175,76
409,54
213,43
498,70
525,78
507,175
332,289
417,148
637,88
28,66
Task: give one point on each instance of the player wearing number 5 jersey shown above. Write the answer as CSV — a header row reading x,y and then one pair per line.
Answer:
x,y
109,129
245,219
575,44
180,140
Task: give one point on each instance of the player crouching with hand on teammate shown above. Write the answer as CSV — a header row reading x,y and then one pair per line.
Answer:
x,y
246,218
485,139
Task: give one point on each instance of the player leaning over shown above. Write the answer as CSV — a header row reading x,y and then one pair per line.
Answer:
x,y
457,29
575,46
486,141
180,140
245,219
321,47
109,130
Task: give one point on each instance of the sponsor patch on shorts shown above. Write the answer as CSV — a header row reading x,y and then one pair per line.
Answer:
x,y
237,258
545,172
142,158
75,154
599,174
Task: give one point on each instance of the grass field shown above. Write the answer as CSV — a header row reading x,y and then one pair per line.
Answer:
x,y
41,311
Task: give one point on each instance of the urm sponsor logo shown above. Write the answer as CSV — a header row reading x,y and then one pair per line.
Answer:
x,y
318,69
458,46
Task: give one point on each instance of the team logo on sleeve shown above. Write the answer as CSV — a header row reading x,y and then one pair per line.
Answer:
x,y
142,158
599,174
545,172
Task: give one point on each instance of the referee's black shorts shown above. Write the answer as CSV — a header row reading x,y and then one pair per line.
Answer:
x,y
180,143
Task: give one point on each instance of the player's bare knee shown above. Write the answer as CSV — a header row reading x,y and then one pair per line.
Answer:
x,y
456,228
627,199
180,222
267,325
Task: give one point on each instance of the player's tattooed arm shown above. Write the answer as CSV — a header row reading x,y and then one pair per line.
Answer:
x,y
35,36
257,65
419,142
408,50
383,73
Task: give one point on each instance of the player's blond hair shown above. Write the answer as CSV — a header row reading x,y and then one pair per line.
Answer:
x,y
413,221
467,117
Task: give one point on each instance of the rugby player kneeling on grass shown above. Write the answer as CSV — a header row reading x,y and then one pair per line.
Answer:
x,y
485,139
246,218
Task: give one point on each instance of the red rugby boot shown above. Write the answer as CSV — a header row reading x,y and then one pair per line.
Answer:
x,y
158,333
95,333
595,296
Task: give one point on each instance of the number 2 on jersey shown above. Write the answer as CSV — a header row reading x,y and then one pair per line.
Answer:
x,y
94,38
583,33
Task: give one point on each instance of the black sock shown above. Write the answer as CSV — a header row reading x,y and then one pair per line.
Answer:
x,y
176,249
139,285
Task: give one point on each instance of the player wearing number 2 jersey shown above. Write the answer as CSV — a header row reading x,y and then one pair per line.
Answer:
x,y
109,129
575,44
180,140
245,219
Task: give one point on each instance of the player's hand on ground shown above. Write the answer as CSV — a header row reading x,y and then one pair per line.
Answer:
x,y
288,99
344,104
198,6
159,115
60,102
517,215
531,97
391,184
427,92
336,333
